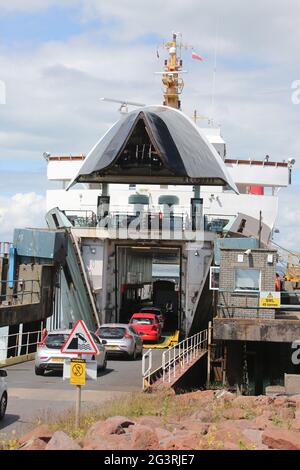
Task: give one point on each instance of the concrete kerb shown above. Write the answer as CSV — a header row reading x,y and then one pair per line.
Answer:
x,y
11,361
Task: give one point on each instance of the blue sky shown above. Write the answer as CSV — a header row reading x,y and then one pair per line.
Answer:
x,y
30,29
7,164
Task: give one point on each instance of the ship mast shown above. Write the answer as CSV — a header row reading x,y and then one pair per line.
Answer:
x,y
173,84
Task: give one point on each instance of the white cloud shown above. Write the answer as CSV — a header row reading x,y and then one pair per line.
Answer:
x,y
21,210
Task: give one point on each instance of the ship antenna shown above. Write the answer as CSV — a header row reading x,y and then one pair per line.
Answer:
x,y
172,83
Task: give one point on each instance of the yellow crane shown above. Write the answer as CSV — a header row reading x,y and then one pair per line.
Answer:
x,y
293,268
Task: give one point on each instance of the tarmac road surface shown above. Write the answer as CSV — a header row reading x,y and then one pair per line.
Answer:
x,y
31,397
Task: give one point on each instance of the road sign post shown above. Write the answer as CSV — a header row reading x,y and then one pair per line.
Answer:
x,y
77,377
78,406
79,342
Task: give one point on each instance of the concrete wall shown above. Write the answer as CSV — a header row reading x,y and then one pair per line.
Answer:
x,y
292,384
238,304
266,330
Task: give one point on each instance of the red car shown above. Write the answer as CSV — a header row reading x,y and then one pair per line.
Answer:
x,y
148,324
157,312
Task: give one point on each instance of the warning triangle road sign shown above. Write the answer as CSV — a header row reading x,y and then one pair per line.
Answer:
x,y
80,341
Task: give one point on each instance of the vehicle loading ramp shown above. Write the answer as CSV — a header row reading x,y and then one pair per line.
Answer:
x,y
167,340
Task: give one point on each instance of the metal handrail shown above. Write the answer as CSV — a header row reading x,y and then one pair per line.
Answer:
x,y
117,212
181,354
19,342
146,372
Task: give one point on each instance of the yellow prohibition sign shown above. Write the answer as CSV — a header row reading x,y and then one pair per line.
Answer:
x,y
77,372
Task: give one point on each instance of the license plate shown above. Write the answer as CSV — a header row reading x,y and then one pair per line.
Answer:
x,y
112,347
57,359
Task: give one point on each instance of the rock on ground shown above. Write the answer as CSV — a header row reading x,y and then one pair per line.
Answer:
x,y
200,420
144,438
42,432
61,441
281,439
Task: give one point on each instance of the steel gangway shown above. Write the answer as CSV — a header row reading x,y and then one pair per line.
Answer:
x,y
176,361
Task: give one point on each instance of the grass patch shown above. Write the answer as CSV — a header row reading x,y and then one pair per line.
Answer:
x,y
161,403
9,443
243,446
211,438
135,405
250,411
276,420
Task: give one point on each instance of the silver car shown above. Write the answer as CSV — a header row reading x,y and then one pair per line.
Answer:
x,y
49,357
120,338
3,393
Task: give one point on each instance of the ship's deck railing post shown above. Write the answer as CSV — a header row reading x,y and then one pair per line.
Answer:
x,y
146,372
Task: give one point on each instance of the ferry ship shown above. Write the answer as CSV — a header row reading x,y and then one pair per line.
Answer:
x,y
136,220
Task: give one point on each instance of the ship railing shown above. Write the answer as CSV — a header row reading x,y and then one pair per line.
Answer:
x,y
179,218
19,344
82,218
19,292
175,360
151,219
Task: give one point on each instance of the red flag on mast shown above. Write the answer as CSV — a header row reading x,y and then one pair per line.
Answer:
x,y
196,56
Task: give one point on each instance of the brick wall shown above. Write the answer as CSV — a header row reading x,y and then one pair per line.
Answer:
x,y
245,304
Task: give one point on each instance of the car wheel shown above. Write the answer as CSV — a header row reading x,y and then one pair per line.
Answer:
x,y
133,356
39,371
3,405
104,365
141,353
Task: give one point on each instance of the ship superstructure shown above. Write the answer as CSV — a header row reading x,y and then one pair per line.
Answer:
x,y
138,217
